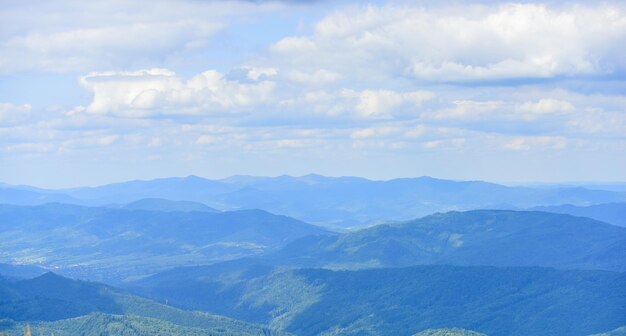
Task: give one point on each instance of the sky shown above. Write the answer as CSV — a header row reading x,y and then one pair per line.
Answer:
x,y
99,92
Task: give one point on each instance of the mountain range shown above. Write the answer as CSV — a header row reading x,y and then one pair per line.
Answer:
x,y
342,202
405,257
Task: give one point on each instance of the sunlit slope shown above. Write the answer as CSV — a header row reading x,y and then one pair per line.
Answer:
x,y
481,237
114,244
401,301
64,303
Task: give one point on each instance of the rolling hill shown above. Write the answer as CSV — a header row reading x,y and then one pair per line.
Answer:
x,y
111,325
401,301
479,237
113,244
70,305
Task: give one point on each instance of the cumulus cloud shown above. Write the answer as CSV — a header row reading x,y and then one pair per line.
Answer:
x,y
150,92
464,43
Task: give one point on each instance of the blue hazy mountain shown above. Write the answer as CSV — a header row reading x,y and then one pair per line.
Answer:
x,y
191,188
612,213
12,271
363,292
22,196
479,237
160,204
336,201
475,270
112,244
80,307
401,301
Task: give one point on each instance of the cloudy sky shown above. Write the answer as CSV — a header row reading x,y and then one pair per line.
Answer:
x,y
96,92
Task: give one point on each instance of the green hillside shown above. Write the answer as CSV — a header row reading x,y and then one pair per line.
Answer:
x,y
402,301
112,245
99,324
480,237
54,298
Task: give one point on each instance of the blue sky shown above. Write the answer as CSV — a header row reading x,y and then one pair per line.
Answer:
x,y
92,93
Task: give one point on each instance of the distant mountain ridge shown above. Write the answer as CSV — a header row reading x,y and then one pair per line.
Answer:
x,y
612,213
19,196
161,204
332,201
111,244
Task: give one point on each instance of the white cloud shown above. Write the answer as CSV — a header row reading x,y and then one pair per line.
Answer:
x,y
291,45
159,91
86,47
78,36
364,81
465,42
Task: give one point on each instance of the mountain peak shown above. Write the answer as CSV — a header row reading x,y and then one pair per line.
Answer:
x,y
194,178
47,278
